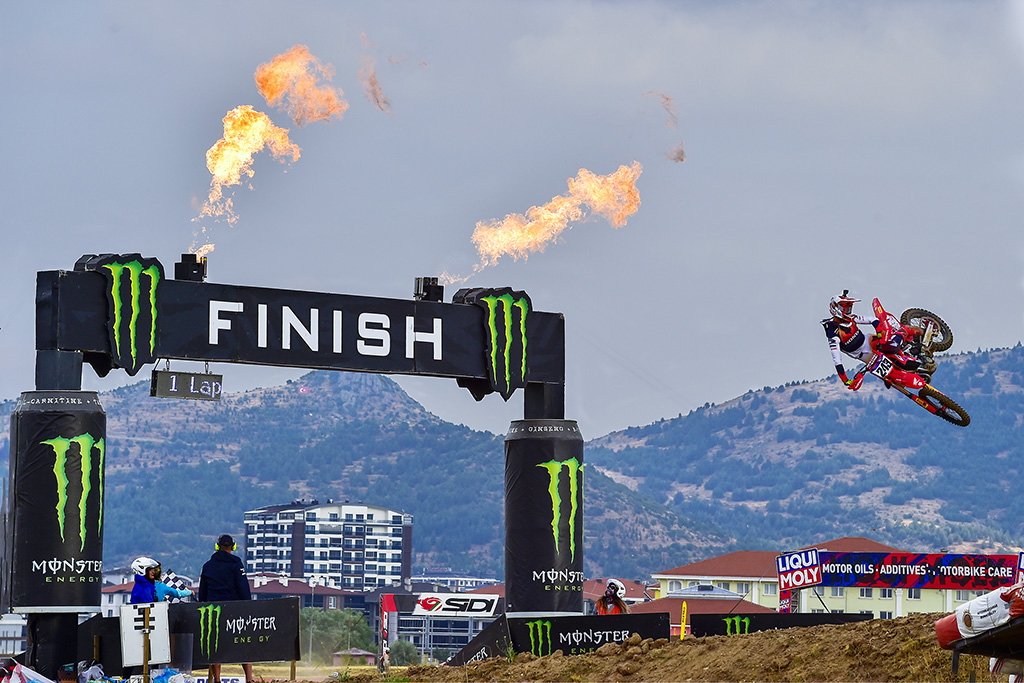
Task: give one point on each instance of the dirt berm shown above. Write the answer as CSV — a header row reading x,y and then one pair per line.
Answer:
x,y
902,649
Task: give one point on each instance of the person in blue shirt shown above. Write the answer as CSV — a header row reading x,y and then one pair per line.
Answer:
x,y
148,587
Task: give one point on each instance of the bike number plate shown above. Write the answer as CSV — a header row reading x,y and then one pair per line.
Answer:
x,y
884,367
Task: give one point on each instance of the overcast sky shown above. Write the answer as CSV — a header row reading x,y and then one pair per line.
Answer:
x,y
876,146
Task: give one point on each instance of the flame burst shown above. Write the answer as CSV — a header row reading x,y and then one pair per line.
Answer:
x,y
246,131
372,87
613,196
291,80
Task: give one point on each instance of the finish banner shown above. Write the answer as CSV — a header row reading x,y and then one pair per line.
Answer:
x,y
54,548
123,313
544,517
914,570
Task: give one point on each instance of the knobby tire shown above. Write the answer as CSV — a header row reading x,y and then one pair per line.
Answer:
x,y
942,338
947,408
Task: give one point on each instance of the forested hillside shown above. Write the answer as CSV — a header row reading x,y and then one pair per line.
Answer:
x,y
787,466
179,473
775,468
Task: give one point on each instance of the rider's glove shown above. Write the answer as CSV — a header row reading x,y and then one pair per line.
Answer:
x,y
841,371
854,384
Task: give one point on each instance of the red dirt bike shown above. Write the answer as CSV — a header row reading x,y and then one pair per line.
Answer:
x,y
908,366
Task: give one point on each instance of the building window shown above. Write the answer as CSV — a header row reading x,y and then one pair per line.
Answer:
x,y
332,602
885,594
913,593
674,586
819,590
866,593
769,588
885,615
743,588
724,585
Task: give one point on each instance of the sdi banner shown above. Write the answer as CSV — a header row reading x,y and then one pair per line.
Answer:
x,y
54,548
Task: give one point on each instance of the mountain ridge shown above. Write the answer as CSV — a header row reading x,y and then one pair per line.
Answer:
x,y
777,467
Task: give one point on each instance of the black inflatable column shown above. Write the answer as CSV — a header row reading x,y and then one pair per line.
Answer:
x,y
53,560
543,518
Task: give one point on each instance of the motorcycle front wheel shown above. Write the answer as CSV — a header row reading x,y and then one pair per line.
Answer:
x,y
942,336
945,407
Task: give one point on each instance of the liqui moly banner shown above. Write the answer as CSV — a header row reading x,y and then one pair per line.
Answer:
x,y
914,570
798,570
785,602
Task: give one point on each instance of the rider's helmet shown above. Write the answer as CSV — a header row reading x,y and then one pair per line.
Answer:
x,y
841,307
618,587
142,564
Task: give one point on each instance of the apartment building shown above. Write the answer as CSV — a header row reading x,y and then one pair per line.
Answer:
x,y
348,546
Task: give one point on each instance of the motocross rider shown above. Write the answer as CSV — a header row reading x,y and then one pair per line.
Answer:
x,y
845,337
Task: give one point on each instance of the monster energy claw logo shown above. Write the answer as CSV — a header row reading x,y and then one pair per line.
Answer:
x,y
505,325
86,445
209,629
132,284
554,469
540,637
737,625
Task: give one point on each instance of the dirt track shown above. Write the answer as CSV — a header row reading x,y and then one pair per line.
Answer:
x,y
902,649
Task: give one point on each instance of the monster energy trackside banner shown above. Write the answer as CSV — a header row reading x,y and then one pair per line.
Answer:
x,y
54,547
239,630
228,632
544,517
121,312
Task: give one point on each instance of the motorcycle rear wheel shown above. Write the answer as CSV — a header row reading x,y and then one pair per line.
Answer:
x,y
942,337
945,407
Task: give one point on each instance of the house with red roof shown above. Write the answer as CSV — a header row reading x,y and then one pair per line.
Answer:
x,y
753,575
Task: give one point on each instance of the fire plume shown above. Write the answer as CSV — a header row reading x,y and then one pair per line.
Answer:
x,y
612,196
246,131
292,80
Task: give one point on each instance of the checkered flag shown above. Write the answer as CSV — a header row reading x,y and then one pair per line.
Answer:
x,y
177,583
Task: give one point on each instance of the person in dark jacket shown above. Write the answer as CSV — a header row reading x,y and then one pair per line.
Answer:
x,y
223,578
